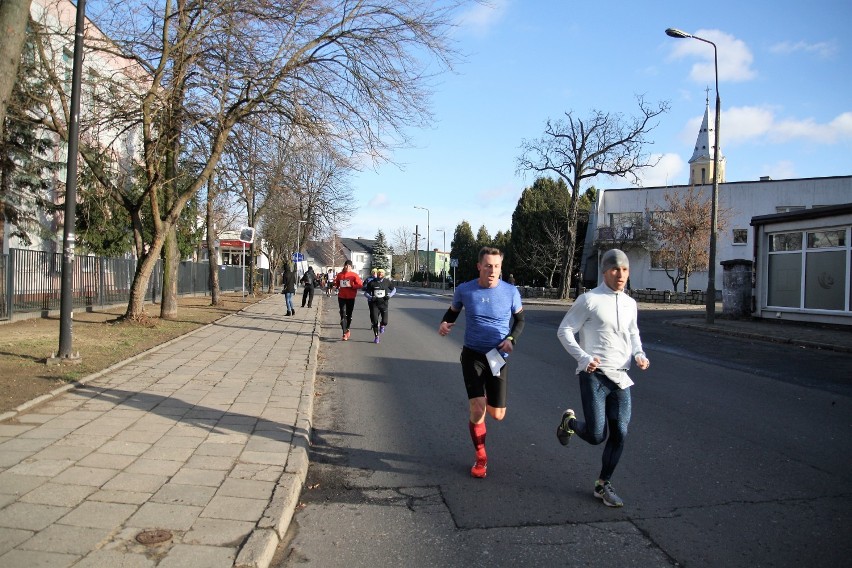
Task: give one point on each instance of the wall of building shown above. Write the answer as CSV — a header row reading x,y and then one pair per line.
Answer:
x,y
743,200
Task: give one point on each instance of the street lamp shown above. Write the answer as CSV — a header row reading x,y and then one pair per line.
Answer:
x,y
711,270
444,268
428,246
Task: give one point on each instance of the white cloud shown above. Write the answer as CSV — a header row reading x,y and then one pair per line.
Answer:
x,y
486,196
823,49
483,16
735,58
783,169
669,171
743,124
379,200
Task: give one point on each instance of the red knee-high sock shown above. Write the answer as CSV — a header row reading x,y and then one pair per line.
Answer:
x,y
477,435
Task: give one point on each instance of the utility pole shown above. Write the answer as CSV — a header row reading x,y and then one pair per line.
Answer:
x,y
416,245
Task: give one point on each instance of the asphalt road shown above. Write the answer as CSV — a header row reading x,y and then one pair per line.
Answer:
x,y
738,455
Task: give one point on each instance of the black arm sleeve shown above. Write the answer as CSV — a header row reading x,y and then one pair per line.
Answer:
x,y
517,325
451,316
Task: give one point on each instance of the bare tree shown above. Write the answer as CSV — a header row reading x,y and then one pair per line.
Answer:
x,y
356,73
402,243
543,255
278,232
315,177
219,216
578,150
682,232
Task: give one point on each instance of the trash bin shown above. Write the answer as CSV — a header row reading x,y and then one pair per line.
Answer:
x,y
736,287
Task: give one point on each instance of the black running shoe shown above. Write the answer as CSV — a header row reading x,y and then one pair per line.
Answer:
x,y
564,431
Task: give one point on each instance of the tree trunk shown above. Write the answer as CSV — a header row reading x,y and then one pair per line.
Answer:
x,y
568,259
14,15
212,258
171,259
136,302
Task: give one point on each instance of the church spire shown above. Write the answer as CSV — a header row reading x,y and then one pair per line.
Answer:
x,y
701,162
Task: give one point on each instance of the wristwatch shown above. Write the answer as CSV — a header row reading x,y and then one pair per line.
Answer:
x,y
510,338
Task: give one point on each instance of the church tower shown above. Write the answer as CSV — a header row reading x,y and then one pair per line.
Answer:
x,y
701,162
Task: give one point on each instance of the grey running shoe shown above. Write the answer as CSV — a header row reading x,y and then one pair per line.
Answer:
x,y
564,431
606,493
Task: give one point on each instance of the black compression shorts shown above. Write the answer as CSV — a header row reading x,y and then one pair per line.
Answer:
x,y
480,381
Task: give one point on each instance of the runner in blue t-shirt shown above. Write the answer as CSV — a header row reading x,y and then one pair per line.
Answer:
x,y
490,305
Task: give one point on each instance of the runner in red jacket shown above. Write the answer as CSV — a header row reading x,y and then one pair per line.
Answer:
x,y
348,283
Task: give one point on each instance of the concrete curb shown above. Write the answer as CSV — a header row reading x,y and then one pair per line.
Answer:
x,y
798,342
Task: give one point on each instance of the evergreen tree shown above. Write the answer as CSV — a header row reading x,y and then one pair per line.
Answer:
x,y
381,252
539,231
25,158
483,239
503,242
465,249
104,227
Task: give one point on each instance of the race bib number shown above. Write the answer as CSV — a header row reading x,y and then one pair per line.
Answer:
x,y
379,294
345,284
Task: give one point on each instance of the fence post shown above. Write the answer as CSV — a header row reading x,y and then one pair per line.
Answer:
x,y
10,282
13,269
101,279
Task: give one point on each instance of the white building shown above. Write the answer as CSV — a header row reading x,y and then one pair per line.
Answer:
x,y
623,212
620,216
103,69
360,252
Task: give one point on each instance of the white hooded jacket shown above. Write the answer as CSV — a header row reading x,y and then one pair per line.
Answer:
x,y
606,322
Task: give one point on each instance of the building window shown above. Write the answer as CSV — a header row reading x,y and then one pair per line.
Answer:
x,y
785,270
625,222
740,236
825,270
785,242
808,269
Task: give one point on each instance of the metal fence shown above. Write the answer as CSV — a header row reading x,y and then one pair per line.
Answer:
x,y
30,281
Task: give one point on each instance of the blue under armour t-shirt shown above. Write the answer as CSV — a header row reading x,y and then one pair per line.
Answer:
x,y
488,313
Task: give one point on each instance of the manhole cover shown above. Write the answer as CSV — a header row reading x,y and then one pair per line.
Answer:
x,y
153,537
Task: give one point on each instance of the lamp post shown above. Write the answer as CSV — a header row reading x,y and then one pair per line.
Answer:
x,y
444,267
711,269
428,246
66,299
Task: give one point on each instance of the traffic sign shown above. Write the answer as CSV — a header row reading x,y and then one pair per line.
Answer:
x,y
298,257
454,262
247,235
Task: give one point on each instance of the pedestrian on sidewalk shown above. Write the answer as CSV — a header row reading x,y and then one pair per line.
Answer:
x,y
309,279
379,291
289,288
490,304
606,320
347,282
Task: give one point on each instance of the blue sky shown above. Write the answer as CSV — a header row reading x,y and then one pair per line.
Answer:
x,y
785,78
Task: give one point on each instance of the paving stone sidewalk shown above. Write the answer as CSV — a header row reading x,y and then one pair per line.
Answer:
x,y
201,442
